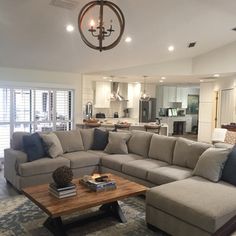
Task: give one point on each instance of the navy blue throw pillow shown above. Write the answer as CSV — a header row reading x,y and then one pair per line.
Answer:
x,y
33,146
229,171
100,140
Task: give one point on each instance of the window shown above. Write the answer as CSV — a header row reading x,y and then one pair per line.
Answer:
x,y
32,110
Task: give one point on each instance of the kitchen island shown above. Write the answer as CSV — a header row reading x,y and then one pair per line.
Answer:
x,y
133,126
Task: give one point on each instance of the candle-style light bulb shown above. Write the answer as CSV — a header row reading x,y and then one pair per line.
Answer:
x,y
92,23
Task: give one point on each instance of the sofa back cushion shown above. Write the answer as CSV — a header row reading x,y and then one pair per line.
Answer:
x,y
162,148
17,140
71,141
139,142
187,152
87,137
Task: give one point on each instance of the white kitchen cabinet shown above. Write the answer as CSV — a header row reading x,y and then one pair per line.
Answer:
x,y
188,124
102,94
169,94
130,96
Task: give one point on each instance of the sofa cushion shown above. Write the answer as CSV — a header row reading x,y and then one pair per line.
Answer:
x,y
71,141
42,166
197,201
53,144
116,161
162,148
33,146
87,137
98,153
139,142
168,174
187,152
140,168
117,143
211,163
228,173
100,139
82,159
17,140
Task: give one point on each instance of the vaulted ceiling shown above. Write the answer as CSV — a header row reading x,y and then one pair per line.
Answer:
x,y
33,35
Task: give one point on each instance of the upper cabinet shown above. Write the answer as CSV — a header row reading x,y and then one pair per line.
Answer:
x,y
130,97
169,94
102,94
133,95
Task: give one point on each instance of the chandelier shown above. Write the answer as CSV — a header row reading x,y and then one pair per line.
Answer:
x,y
98,29
144,95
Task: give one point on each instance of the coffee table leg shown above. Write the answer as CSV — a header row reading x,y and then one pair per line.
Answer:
x,y
115,210
55,226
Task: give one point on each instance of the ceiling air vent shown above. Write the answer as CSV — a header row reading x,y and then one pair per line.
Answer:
x,y
67,4
192,44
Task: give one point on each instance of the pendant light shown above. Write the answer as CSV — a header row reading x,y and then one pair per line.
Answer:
x,y
144,95
101,29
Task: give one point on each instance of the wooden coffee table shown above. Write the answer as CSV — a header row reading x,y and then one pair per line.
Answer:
x,y
56,208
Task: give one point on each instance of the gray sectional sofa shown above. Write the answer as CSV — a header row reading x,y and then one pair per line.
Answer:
x,y
177,202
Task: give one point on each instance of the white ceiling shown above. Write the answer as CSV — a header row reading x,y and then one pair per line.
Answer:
x,y
33,34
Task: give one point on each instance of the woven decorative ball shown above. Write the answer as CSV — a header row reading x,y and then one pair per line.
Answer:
x,y
62,176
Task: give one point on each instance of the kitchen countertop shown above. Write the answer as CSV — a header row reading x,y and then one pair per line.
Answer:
x,y
133,126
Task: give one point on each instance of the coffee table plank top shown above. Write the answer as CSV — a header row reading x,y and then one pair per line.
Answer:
x,y
84,199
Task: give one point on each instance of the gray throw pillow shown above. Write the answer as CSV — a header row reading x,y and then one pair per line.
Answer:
x,y
211,163
71,141
117,143
53,144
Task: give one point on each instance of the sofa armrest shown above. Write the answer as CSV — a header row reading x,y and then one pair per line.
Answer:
x,y
13,158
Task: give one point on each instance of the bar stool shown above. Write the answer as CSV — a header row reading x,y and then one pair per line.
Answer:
x,y
122,126
153,128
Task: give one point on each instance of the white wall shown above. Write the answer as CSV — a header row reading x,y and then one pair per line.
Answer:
x,y
206,102
42,79
221,60
207,106
224,84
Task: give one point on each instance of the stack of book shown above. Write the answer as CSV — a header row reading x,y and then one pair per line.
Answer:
x,y
98,186
62,192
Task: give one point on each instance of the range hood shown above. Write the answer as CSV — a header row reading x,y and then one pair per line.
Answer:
x,y
115,94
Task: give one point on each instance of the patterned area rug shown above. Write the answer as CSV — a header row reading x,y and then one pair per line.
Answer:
x,y
19,216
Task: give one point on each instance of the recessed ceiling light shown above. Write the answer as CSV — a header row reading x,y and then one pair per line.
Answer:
x,y
110,80
161,81
128,39
70,28
201,80
216,75
104,77
171,48
163,78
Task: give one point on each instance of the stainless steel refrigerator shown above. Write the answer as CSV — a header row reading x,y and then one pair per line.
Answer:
x,y
147,110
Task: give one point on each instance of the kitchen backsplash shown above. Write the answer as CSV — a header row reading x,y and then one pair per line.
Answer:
x,y
115,106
